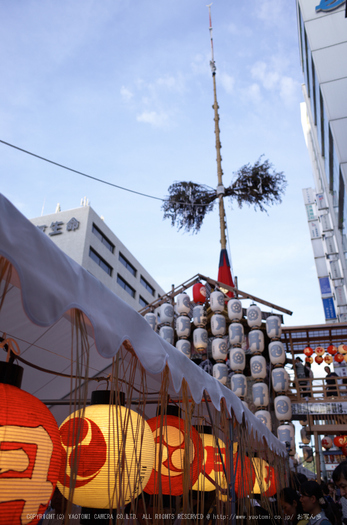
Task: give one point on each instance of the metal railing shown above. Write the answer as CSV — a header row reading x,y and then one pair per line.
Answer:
x,y
317,389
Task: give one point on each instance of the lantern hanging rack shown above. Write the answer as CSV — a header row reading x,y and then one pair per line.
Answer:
x,y
199,277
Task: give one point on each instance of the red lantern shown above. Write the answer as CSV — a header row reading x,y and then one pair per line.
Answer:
x,y
344,449
332,350
309,360
244,475
308,351
30,456
319,350
265,482
199,293
328,359
170,441
318,359
339,441
327,442
338,358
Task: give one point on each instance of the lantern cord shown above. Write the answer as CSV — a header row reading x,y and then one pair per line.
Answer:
x,y
211,423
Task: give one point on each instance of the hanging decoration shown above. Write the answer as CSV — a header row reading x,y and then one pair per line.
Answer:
x,y
212,473
308,351
328,359
100,445
219,346
332,349
237,357
183,324
265,478
166,320
30,456
151,319
171,440
327,442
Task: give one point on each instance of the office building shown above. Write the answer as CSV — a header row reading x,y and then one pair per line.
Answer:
x,y
322,27
84,236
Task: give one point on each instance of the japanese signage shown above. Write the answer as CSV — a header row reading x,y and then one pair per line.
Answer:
x,y
56,228
319,408
329,308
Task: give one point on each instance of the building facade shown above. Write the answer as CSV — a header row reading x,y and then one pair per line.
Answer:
x,y
84,236
322,27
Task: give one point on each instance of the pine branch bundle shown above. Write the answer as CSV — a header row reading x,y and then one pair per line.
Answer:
x,y
258,186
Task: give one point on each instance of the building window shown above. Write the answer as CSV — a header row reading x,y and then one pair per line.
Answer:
x,y
122,282
314,95
127,264
142,301
148,287
102,237
100,261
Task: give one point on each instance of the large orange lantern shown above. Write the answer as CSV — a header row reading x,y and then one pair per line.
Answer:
x,y
170,455
338,358
328,359
244,475
342,349
331,349
265,478
212,473
339,441
113,450
318,359
308,351
30,456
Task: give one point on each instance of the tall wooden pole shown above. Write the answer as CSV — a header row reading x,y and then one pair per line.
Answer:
x,y
220,187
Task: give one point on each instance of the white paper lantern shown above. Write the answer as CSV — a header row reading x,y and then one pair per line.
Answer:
x,y
217,301
167,333
220,372
234,310
254,316
327,442
286,434
280,380
199,315
183,326
236,334
218,324
245,404
283,408
219,349
307,452
184,346
256,341
276,353
265,418
260,394
237,359
238,385
151,319
258,367
166,313
200,339
273,327
183,304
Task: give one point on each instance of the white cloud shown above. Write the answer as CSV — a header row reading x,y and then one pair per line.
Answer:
x,y
157,120
126,94
253,94
289,88
272,79
227,82
270,11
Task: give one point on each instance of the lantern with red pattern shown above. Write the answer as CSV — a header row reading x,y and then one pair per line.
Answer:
x,y
30,456
344,449
318,359
339,441
342,349
265,478
332,350
328,359
319,350
338,358
308,351
309,360
199,293
172,442
327,442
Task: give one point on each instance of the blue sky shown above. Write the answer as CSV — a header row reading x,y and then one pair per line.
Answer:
x,y
123,91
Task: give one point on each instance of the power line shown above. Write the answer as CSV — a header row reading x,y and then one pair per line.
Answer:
x,y
80,172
